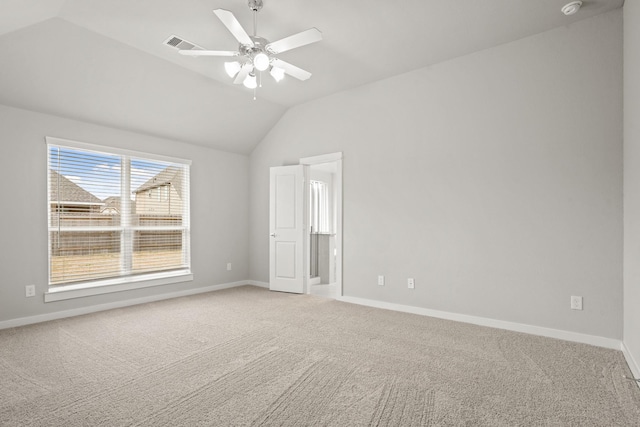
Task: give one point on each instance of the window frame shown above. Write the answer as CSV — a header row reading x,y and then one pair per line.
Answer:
x,y
121,283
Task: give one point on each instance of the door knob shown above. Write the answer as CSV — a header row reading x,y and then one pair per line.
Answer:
x,y
273,234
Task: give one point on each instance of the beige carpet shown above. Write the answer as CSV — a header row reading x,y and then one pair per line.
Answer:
x,y
247,356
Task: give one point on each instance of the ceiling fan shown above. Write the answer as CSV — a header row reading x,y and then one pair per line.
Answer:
x,y
256,54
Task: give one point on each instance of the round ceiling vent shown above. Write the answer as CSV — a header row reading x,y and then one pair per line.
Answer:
x,y
571,8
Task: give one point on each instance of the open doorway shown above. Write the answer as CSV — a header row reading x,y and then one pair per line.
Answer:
x,y
297,234
324,230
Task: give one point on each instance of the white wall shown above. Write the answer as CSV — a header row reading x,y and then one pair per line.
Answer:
x,y
495,180
219,205
632,181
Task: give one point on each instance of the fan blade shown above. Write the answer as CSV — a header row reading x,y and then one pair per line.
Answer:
x,y
292,70
309,36
243,73
208,53
234,26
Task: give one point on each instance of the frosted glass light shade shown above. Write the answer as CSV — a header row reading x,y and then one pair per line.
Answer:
x,y
261,61
232,68
250,82
277,73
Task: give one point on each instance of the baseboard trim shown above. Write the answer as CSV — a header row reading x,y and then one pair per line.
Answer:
x,y
492,323
258,283
633,365
481,321
21,321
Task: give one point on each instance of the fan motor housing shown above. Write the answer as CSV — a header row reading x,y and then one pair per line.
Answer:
x,y
259,44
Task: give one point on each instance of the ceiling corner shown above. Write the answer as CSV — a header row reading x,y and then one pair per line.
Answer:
x,y
18,14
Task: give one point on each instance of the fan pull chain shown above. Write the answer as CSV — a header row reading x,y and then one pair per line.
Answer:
x,y
254,93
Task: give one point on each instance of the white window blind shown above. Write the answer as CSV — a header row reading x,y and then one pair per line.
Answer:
x,y
114,213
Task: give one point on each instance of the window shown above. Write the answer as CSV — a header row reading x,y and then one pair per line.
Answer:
x,y
107,221
319,207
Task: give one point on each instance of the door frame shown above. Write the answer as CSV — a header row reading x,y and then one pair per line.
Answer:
x,y
330,158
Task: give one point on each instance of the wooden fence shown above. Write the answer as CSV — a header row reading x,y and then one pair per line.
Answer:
x,y
67,243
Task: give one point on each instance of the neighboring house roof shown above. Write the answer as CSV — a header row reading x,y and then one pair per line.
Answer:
x,y
113,202
62,189
170,175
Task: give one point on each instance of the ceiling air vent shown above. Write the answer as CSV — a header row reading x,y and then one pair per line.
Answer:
x,y
180,44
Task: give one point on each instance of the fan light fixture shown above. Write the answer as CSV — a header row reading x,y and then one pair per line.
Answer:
x,y
250,82
232,68
261,61
256,53
277,73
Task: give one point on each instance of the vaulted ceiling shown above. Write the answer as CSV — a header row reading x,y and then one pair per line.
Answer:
x,y
104,61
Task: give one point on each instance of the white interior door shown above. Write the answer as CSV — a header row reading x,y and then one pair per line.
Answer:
x,y
287,225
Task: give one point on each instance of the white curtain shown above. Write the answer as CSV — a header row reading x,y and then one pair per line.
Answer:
x,y
319,207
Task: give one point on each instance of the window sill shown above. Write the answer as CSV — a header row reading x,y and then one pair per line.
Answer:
x,y
108,286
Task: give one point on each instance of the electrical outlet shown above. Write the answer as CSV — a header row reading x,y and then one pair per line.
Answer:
x,y
228,266
380,280
411,284
576,303
30,291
